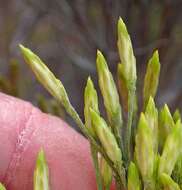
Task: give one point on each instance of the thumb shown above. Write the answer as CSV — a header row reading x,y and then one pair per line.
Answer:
x,y
24,130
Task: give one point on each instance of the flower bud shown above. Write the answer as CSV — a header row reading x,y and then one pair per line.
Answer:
x,y
134,182
126,54
177,174
41,173
176,115
2,187
144,150
110,96
166,123
108,88
151,115
44,75
168,183
91,101
171,151
106,137
151,78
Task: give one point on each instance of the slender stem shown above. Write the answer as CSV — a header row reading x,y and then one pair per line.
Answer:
x,y
131,102
96,166
117,124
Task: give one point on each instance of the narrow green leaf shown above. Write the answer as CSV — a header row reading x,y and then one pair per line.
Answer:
x,y
110,96
144,151
168,183
172,150
151,78
41,173
2,187
151,115
134,182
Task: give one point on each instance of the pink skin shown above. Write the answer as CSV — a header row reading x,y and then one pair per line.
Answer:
x,y
23,131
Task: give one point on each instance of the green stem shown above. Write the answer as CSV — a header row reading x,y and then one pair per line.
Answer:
x,y
117,124
131,102
96,166
119,184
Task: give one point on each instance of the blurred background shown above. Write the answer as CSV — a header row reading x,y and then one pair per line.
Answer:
x,y
66,35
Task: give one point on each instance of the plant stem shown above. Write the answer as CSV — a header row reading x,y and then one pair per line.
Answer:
x,y
96,166
131,102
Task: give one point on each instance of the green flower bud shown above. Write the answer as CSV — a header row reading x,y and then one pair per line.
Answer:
x,y
176,115
151,78
168,183
134,182
151,115
172,150
41,173
108,88
106,173
91,101
166,123
44,75
106,138
126,54
52,84
177,171
144,150
110,95
2,187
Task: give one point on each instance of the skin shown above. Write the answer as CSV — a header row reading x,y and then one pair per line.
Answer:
x,y
24,130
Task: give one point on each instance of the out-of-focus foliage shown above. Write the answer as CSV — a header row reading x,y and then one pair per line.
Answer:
x,y
67,33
